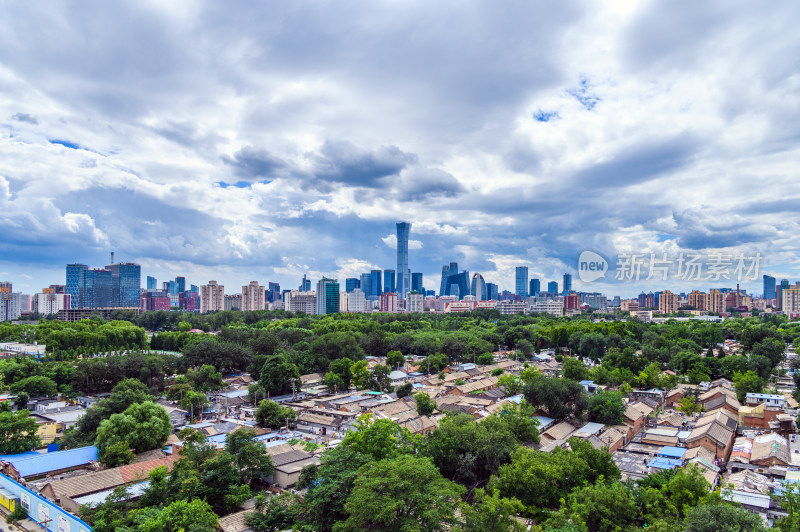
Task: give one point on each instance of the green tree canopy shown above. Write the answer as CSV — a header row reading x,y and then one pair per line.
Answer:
x,y
606,408
274,416
380,438
17,432
144,426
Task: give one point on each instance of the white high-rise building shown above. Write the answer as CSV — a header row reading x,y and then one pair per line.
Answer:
x,y
50,303
415,302
212,297
10,305
297,301
253,296
353,301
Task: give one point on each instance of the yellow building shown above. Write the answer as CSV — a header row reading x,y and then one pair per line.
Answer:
x,y
668,302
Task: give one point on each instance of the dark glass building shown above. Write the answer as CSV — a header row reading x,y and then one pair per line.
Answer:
x,y
75,283
535,287
416,283
403,273
351,283
389,282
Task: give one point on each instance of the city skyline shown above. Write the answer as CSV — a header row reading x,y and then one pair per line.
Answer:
x,y
518,137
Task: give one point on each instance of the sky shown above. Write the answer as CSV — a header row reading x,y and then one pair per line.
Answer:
x,y
263,141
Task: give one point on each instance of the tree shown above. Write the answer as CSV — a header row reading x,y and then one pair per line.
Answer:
x,y
272,415
339,375
117,454
395,359
279,512
491,513
723,518
485,359
690,405
206,378
434,363
36,386
599,507
425,405
194,401
511,384
195,515
379,380
144,426
687,489
404,493
380,438
21,400
17,432
278,375
592,346
329,485
561,398
606,408
250,456
574,369
747,383
404,390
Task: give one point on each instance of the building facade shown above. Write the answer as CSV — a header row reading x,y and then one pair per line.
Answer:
x,y
403,273
253,296
521,281
327,296
212,297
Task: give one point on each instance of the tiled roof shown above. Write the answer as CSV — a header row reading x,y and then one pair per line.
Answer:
x,y
289,457
560,431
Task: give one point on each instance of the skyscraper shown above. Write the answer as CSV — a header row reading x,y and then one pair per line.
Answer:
x,y
521,286
769,287
492,292
212,297
416,283
327,296
152,283
552,287
253,296
366,284
454,283
180,284
389,281
403,273
375,287
126,279
75,283
351,283
567,283
97,290
535,287
478,288
305,284
447,271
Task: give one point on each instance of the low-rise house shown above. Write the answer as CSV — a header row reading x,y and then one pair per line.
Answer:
x,y
419,424
770,450
322,422
64,418
481,385
675,395
288,466
560,431
35,465
771,400
723,401
613,438
176,416
715,435
636,416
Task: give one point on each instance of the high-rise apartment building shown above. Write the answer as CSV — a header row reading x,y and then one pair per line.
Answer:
x,y
416,283
5,287
415,302
355,301
552,287
11,305
231,301
698,300
388,302
478,288
212,297
534,287
389,281
253,296
667,302
50,303
769,287
716,301
327,296
521,285
790,300
403,273
567,286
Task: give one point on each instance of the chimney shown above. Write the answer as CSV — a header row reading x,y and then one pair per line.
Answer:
x,y
112,257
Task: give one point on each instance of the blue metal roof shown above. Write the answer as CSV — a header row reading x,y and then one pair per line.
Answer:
x,y
664,463
44,463
672,452
10,457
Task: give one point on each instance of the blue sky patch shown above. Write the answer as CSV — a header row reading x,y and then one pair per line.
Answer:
x,y
545,116
66,144
583,95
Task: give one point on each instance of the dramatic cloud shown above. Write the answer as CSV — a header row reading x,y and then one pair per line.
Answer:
x,y
268,141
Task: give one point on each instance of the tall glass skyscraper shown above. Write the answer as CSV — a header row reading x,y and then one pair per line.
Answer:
x,y
327,296
521,286
75,283
552,287
769,287
351,283
97,290
416,283
152,283
375,287
180,284
366,284
126,281
403,273
567,283
535,287
492,292
478,287
389,281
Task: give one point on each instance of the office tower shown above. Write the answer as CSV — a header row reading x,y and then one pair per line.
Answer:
x,y
195,289
389,281
478,288
305,284
492,292
375,287
296,301
253,296
366,284
75,283
97,289
534,287
567,283
180,284
552,287
521,286
447,272
769,287
403,273
126,278
327,296
212,297
351,283
416,283
273,292
152,283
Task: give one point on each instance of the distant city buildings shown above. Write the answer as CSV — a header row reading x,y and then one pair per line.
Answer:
x,y
327,296
253,297
521,281
212,297
478,288
403,273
